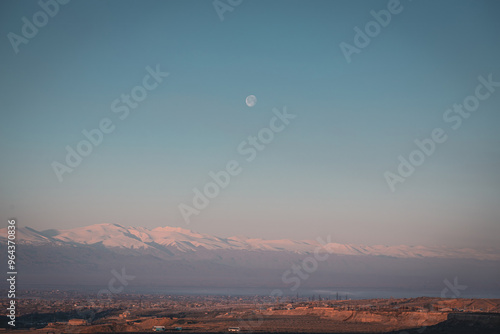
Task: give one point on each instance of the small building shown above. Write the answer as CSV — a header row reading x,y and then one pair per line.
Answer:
x,y
233,329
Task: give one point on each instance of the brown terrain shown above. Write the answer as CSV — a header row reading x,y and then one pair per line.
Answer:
x,y
413,315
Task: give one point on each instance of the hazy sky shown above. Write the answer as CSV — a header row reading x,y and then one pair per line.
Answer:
x,y
322,175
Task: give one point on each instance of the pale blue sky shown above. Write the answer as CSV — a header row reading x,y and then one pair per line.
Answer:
x,y
322,175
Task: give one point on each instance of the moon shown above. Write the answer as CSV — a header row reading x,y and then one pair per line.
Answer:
x,y
251,100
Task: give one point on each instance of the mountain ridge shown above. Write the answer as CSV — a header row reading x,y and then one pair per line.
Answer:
x,y
163,241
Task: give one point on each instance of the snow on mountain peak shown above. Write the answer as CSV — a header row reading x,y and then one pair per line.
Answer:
x,y
159,240
27,235
172,229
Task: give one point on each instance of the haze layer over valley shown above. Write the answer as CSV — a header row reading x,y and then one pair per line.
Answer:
x,y
176,257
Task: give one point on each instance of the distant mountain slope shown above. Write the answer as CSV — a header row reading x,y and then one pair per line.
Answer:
x,y
177,257
164,242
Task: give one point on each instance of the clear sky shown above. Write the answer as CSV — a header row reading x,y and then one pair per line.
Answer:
x,y
322,175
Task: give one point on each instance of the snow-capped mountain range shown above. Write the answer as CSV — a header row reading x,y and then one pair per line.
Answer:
x,y
164,242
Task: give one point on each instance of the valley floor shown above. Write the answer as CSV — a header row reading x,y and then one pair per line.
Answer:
x,y
204,314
